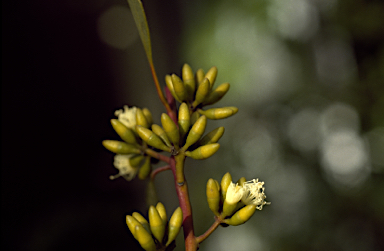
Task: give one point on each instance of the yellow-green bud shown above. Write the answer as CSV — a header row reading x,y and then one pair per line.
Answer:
x,y
141,120
202,92
120,147
241,216
213,196
211,75
159,131
199,76
179,87
196,132
184,119
156,223
148,115
132,223
189,80
204,152
145,169
151,138
170,129
241,181
135,161
194,117
228,208
217,94
145,239
212,137
225,182
174,225
141,220
162,212
168,82
219,113
124,132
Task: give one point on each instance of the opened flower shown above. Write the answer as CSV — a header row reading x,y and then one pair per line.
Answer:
x,y
254,194
127,116
121,162
234,193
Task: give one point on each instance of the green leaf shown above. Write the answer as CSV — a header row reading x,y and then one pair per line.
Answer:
x,y
142,25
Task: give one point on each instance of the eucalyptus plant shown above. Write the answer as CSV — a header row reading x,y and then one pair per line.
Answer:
x,y
181,135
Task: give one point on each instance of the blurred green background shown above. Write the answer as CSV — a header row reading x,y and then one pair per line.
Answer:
x,y
306,75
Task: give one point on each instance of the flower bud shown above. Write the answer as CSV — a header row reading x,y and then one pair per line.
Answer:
x,y
144,238
135,160
184,119
204,152
124,132
241,181
225,182
141,120
194,117
162,212
212,137
219,113
170,129
148,115
159,131
141,220
211,75
174,225
213,196
120,147
179,87
202,92
156,223
199,76
145,169
151,138
233,196
241,216
168,82
196,132
216,94
189,80
132,223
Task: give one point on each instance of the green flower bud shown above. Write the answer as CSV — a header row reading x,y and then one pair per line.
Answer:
x,y
196,132
168,82
217,94
219,113
179,87
161,133
144,238
142,221
120,147
194,117
213,196
148,115
132,223
184,119
202,92
141,120
211,75
151,138
170,129
241,181
212,137
204,152
162,212
189,80
135,160
156,223
225,182
241,216
174,225
145,169
124,132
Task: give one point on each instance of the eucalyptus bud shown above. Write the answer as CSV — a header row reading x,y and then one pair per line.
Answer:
x,y
196,132
162,212
141,120
211,75
189,80
204,152
213,196
124,132
148,115
145,169
174,225
161,133
156,223
142,221
241,216
216,94
212,137
168,82
202,92
151,138
179,88
199,76
219,113
225,182
120,147
184,119
170,129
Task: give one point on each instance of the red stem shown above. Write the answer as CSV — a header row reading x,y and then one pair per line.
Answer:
x,y
159,170
177,166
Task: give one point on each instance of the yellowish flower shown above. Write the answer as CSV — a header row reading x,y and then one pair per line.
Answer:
x,y
127,116
234,193
254,194
121,162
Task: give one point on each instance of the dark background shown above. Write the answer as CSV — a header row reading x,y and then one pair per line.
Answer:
x,y
59,90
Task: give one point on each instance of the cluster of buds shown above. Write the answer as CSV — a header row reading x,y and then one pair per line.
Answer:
x,y
159,233
130,159
234,204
